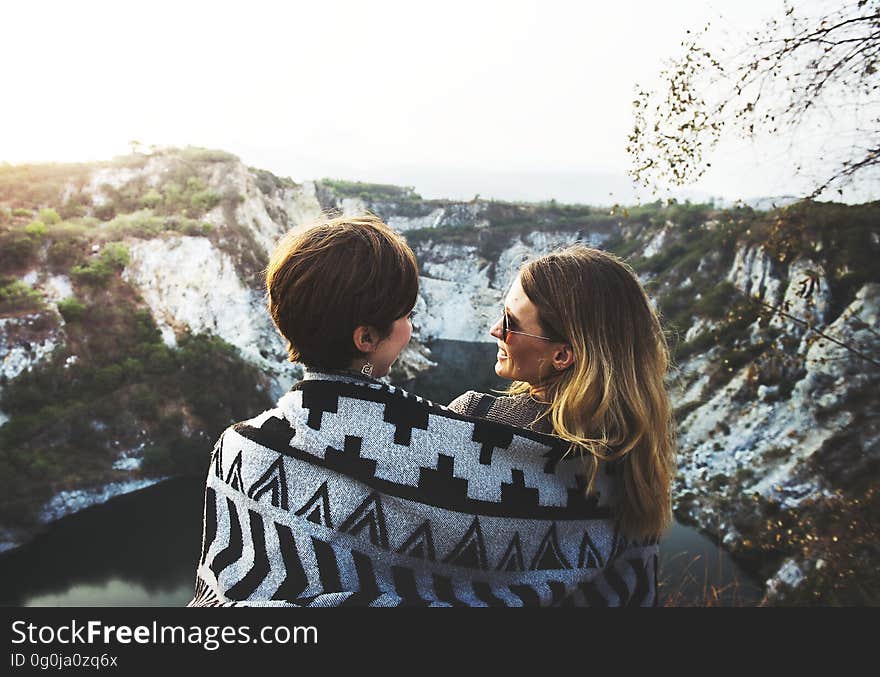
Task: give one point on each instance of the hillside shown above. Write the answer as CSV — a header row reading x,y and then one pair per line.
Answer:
x,y
133,329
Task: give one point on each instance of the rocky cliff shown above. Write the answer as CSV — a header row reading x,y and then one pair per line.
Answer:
x,y
773,318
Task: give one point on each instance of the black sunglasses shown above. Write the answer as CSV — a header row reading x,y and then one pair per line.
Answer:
x,y
505,330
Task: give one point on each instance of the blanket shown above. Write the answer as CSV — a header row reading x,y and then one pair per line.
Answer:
x,y
351,492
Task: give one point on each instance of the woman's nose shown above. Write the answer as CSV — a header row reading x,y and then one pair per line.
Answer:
x,y
495,329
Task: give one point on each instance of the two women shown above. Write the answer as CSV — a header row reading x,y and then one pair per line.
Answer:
x,y
354,492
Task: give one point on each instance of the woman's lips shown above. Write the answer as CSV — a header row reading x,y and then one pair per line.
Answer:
x,y
502,354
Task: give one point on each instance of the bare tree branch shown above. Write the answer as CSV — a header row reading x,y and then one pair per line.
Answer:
x,y
793,70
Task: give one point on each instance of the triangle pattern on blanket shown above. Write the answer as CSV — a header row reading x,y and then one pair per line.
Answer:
x,y
296,580
368,515
512,560
420,543
317,509
618,542
589,556
549,555
218,458
273,482
471,550
233,477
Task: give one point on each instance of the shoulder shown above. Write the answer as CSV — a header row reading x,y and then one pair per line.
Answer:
x,y
466,402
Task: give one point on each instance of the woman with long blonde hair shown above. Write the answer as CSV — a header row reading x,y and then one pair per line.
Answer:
x,y
585,350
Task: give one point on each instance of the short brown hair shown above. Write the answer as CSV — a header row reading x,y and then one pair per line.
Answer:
x,y
327,279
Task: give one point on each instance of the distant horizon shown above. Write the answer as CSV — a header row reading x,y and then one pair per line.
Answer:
x,y
572,187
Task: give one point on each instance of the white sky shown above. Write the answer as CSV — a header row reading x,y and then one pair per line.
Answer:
x,y
515,99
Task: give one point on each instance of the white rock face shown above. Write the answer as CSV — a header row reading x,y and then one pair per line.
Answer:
x,y
771,440
456,311
789,577
57,287
702,325
456,301
18,354
534,245
404,223
118,176
352,206
298,205
751,273
22,346
69,502
833,372
807,297
459,300
689,384
656,244
189,284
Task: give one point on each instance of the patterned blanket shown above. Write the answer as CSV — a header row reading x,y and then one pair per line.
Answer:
x,y
358,493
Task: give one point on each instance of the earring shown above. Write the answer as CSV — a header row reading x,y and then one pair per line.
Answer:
x,y
367,369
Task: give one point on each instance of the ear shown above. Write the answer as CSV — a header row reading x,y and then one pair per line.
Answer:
x,y
365,338
563,358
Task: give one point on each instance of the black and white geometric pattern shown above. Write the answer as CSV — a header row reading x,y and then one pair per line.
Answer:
x,y
357,493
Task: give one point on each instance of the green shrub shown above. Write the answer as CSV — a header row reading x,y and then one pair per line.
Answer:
x,y
191,227
77,205
69,230
132,368
204,201
697,345
144,402
159,360
71,309
36,229
116,255
49,216
152,199
105,211
112,259
716,300
172,196
17,248
38,185
63,252
371,192
141,224
21,211
107,379
16,296
145,329
196,154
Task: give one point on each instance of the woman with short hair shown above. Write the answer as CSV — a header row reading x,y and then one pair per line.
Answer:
x,y
342,292
585,350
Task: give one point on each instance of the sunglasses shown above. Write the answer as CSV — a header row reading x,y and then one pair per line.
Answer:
x,y
505,330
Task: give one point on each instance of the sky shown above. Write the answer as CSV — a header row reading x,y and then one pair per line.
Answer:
x,y
520,100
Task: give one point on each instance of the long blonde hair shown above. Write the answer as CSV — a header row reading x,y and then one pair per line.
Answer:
x,y
611,403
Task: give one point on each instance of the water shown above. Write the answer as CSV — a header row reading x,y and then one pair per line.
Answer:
x,y
141,549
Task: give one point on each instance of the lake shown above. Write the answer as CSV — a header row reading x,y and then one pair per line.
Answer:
x,y
141,549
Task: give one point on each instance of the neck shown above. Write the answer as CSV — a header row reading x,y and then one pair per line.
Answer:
x,y
538,392
357,366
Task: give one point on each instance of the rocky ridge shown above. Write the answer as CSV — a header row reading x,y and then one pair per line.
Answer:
x,y
770,413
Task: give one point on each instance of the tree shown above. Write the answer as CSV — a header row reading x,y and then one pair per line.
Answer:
x,y
795,72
